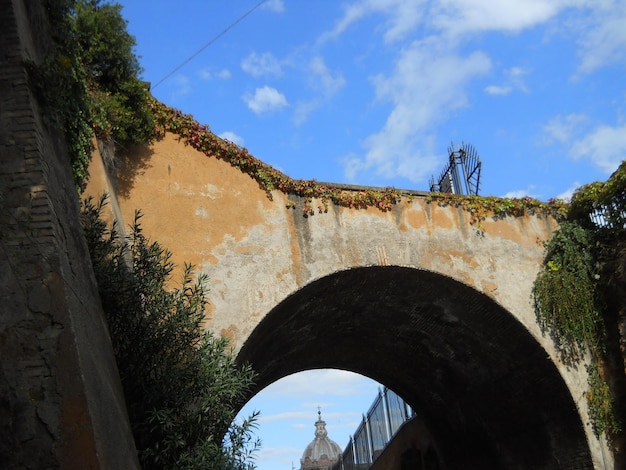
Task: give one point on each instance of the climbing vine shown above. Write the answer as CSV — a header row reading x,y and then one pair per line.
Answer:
x,y
481,207
202,139
604,419
565,293
269,179
570,292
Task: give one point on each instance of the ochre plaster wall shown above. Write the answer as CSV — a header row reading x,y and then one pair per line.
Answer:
x,y
257,251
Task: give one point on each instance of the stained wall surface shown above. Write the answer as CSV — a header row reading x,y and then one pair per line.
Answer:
x,y
416,298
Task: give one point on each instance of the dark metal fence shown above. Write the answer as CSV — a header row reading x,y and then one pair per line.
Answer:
x,y
361,445
348,460
461,175
611,216
379,425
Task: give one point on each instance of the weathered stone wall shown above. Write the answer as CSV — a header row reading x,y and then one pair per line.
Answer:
x,y
342,289
217,218
61,404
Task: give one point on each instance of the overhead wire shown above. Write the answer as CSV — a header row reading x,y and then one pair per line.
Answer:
x,y
215,38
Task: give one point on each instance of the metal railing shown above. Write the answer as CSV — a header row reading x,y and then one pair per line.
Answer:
x,y
379,425
461,175
610,216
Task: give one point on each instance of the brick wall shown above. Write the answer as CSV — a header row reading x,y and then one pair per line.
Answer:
x,y
61,404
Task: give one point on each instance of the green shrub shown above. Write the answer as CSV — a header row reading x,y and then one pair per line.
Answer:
x,y
89,82
182,385
119,97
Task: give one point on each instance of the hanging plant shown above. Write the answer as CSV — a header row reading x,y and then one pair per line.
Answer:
x,y
569,293
565,293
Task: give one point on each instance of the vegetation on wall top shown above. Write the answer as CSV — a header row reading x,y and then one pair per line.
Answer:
x,y
91,85
89,81
201,138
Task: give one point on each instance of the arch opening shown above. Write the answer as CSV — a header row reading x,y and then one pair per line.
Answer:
x,y
289,410
486,390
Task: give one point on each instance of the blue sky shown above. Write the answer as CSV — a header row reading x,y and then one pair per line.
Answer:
x,y
289,410
373,92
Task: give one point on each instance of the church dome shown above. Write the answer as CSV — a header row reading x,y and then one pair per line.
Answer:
x,y
322,452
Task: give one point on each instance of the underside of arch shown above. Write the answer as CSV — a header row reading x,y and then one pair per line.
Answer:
x,y
488,392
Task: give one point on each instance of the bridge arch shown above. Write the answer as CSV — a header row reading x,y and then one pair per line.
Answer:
x,y
262,256
488,392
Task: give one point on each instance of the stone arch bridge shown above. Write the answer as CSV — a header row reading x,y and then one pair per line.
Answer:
x,y
416,298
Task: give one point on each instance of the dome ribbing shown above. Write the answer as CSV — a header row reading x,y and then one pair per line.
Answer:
x,y
322,452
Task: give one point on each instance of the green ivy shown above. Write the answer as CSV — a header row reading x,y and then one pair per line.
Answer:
x,y
119,99
565,293
601,404
59,82
569,291
607,198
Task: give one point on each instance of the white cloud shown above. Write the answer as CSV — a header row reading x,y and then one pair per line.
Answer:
x,y
498,90
265,99
514,80
403,17
286,416
262,65
352,14
430,82
303,109
520,193
426,87
274,453
605,147
207,74
456,17
451,17
182,86
323,81
561,128
599,29
327,382
234,138
516,76
277,6
330,83
602,38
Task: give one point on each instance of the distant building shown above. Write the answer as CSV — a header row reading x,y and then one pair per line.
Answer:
x,y
322,453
